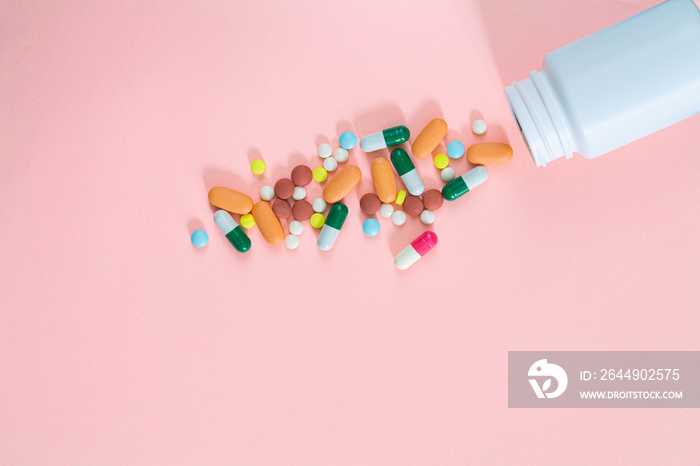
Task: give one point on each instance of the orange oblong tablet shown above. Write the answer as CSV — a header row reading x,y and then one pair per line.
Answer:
x,y
230,199
429,138
342,184
268,223
489,152
384,182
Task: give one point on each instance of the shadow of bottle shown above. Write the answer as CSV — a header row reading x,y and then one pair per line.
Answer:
x,y
522,33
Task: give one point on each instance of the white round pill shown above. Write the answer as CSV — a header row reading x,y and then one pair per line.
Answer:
x,y
325,150
299,193
427,217
386,210
291,241
479,127
330,164
296,227
319,204
398,217
447,174
267,193
341,155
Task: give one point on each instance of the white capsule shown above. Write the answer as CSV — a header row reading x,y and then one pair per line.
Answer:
x,y
296,227
341,155
398,217
327,237
427,217
414,183
447,174
330,164
386,210
475,177
406,258
267,193
479,127
319,204
373,142
299,193
291,242
224,221
325,150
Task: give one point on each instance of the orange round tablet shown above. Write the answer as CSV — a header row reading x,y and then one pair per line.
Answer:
x,y
231,200
429,138
342,184
384,182
268,223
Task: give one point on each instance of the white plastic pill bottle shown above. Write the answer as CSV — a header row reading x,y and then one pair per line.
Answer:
x,y
613,87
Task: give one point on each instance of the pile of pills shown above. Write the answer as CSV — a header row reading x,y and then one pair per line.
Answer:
x,y
288,198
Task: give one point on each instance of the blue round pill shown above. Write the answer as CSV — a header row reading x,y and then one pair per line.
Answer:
x,y
199,238
455,149
371,227
348,140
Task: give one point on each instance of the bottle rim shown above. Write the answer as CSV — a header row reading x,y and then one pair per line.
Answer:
x,y
539,120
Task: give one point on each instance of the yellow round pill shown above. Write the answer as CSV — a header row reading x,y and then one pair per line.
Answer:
x,y
258,167
247,221
441,161
320,174
400,197
317,220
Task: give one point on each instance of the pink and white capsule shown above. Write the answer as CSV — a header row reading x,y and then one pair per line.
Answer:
x,y
414,251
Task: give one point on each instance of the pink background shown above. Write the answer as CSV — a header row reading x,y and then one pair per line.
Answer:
x,y
120,343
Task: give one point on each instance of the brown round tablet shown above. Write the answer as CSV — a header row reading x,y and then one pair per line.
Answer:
x,y
302,210
281,208
370,203
302,175
413,206
284,188
432,199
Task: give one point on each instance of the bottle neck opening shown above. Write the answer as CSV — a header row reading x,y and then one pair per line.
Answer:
x,y
540,119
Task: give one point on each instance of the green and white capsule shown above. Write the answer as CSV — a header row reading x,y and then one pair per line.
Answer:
x,y
233,232
465,183
407,171
383,139
330,230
